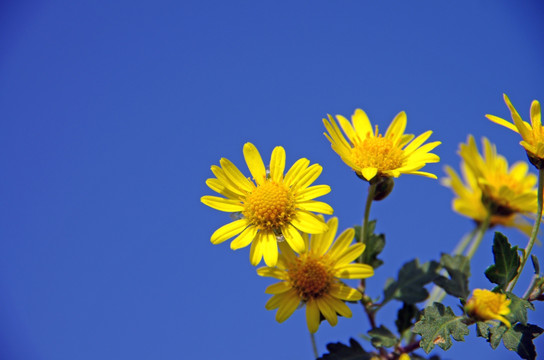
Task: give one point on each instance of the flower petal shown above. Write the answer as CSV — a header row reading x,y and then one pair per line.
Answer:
x,y
245,238
312,316
351,253
222,204
326,309
288,306
354,271
278,288
343,292
227,231
325,240
272,272
308,222
270,248
312,192
254,163
277,163
315,206
361,123
256,251
293,238
236,175
293,172
369,173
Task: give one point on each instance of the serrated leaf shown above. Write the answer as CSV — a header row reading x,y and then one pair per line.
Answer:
x,y
382,337
375,244
520,339
436,326
507,261
405,315
518,309
411,281
458,268
482,330
495,335
339,351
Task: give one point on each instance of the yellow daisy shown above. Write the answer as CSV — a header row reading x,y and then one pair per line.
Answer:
x,y
313,277
371,154
507,190
270,208
532,135
486,305
469,201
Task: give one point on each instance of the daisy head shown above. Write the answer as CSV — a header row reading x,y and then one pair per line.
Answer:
x,y
269,207
371,154
532,134
313,277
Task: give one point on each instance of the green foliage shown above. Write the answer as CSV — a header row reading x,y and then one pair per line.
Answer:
x,y
405,315
518,309
374,245
458,268
507,262
382,337
520,339
437,324
411,281
339,351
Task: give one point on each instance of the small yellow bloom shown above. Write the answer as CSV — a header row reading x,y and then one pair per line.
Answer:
x,y
468,201
371,154
532,135
487,305
507,190
313,277
404,356
271,208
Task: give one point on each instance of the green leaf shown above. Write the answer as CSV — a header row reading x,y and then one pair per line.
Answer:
x,y
382,337
495,335
520,339
458,268
507,261
374,245
518,309
411,281
339,351
436,326
482,330
536,265
405,315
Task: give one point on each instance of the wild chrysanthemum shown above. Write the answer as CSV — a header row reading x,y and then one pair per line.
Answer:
x,y
532,135
469,201
313,277
487,305
271,207
371,154
505,190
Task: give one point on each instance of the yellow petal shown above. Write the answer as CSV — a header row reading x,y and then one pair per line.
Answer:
x,y
308,223
308,176
236,175
354,271
313,192
278,288
344,292
397,126
293,238
361,123
293,172
270,248
288,306
326,239
272,272
338,306
502,122
326,309
227,231
277,163
254,163
245,238
342,243
315,206
346,126
312,316
256,251
351,253
369,173
222,204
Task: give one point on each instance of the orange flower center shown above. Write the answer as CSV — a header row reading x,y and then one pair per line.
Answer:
x,y
377,152
310,277
270,206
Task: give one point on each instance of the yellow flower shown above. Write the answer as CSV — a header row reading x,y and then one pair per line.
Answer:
x,y
313,277
532,135
371,154
469,201
404,356
271,208
507,190
487,305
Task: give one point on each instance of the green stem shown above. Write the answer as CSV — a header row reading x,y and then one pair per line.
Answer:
x,y
314,346
479,237
438,292
534,232
364,229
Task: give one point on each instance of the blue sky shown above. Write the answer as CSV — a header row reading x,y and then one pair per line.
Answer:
x,y
111,114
